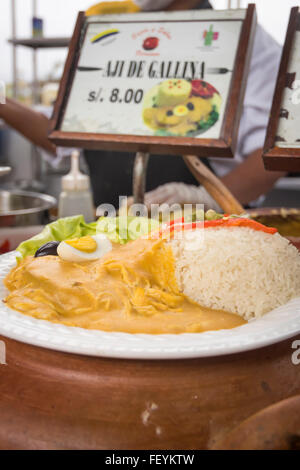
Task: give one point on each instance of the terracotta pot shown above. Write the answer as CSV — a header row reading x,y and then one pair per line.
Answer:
x,y
53,400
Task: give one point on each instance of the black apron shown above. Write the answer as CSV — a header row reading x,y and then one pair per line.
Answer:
x,y
111,172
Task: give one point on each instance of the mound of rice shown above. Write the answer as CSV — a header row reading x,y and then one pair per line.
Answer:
x,y
237,269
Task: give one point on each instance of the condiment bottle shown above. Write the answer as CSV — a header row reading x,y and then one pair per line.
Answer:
x,y
76,196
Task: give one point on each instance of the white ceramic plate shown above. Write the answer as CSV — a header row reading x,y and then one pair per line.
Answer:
x,y
281,323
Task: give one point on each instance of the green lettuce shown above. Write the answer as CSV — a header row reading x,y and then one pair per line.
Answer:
x,y
124,229
61,229
117,229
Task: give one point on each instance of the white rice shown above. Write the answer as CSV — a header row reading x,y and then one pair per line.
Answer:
x,y
237,269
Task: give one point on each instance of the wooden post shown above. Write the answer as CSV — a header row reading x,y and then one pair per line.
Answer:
x,y
213,185
139,177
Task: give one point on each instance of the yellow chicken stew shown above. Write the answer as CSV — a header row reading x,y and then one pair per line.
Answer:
x,y
132,289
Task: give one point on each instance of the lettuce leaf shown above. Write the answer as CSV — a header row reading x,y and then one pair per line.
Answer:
x,y
117,229
124,229
61,229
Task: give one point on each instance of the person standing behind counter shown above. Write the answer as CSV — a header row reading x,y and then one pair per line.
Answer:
x,y
168,178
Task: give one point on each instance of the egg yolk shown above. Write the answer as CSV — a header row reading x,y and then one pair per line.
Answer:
x,y
86,244
180,110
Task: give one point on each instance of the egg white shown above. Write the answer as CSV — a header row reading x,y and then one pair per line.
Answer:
x,y
69,253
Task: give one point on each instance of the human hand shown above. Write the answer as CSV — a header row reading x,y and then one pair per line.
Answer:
x,y
176,193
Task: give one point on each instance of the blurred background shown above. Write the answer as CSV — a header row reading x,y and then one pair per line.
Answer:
x,y
32,60
58,22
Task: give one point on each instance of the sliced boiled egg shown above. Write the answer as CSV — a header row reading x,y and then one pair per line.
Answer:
x,y
84,248
181,110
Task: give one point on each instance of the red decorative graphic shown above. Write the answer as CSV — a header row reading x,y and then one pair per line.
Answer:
x,y
150,43
203,89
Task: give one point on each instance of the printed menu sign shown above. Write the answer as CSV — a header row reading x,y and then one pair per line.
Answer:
x,y
288,132
154,75
282,144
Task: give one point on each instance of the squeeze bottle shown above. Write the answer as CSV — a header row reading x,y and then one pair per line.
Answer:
x,y
76,196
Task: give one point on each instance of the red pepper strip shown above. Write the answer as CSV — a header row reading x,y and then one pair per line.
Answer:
x,y
240,222
176,221
235,222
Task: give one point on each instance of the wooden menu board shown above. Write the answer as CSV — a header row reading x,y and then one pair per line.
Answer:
x,y
164,82
282,145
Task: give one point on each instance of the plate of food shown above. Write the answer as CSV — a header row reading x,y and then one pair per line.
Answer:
x,y
130,287
184,108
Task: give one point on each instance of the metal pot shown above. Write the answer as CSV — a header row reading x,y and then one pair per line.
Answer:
x,y
23,208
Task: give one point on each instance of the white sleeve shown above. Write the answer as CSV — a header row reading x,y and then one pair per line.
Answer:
x,y
61,152
258,100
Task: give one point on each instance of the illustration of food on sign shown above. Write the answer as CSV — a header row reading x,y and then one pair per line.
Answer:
x,y
178,107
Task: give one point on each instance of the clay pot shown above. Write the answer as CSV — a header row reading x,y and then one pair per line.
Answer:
x,y
54,400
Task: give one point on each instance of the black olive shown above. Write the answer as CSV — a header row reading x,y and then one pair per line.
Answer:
x,y
169,113
190,106
47,249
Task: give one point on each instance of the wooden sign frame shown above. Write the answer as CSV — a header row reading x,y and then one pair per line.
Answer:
x,y
204,147
279,158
